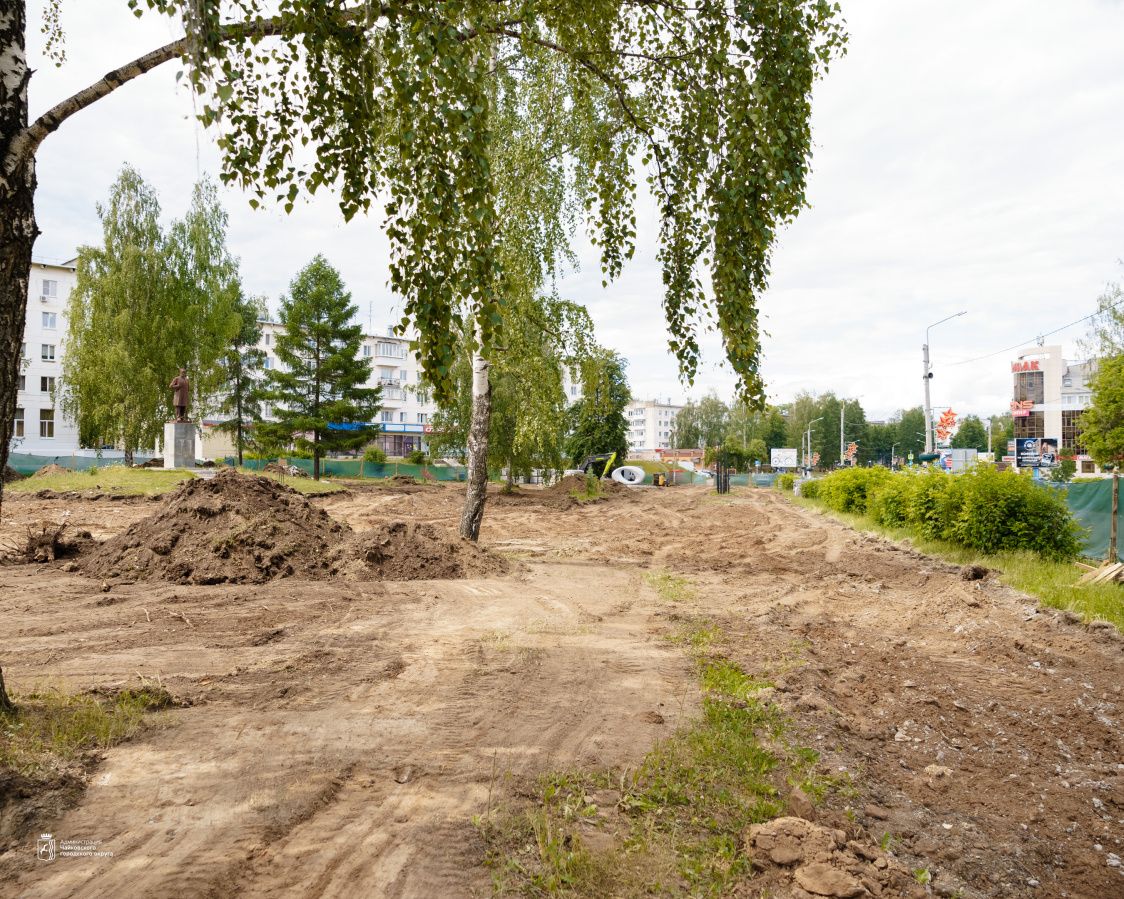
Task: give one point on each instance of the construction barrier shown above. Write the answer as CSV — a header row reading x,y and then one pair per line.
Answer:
x,y
1091,504
358,468
29,463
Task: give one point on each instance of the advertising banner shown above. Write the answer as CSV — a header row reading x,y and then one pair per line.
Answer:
x,y
1041,452
782,458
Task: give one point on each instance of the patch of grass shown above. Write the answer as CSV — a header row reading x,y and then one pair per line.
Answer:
x,y
52,723
112,479
678,819
669,586
302,485
1054,583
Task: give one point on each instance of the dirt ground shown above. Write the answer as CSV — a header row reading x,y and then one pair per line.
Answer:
x,y
337,736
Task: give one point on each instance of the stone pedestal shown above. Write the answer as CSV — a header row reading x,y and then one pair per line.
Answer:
x,y
179,444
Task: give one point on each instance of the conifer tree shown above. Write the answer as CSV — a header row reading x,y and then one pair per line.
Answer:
x,y
320,401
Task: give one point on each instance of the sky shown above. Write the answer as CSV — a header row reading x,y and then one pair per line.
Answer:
x,y
968,156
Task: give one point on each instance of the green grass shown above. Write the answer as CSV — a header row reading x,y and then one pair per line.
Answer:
x,y
52,723
592,490
1054,583
112,479
669,586
302,485
679,815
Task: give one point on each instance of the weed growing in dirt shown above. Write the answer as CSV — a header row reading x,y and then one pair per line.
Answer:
x,y
669,586
52,723
1054,583
591,490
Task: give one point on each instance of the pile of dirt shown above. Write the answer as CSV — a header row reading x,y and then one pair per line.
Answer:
x,y
291,471
47,470
409,551
10,474
400,480
580,482
158,462
234,528
48,541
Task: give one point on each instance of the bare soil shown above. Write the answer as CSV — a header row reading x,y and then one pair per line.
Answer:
x,y
338,735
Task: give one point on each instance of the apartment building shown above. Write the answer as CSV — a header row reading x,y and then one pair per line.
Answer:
x,y
40,428
1049,396
650,423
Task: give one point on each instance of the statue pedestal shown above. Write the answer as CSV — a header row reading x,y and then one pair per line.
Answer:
x,y
179,444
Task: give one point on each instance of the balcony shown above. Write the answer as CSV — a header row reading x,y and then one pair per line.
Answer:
x,y
390,382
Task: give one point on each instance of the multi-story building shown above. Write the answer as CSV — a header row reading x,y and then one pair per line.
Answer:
x,y
650,423
1049,397
40,428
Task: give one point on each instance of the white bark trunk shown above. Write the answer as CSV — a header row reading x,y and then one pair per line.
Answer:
x,y
477,490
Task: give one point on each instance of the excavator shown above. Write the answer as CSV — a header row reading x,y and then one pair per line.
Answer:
x,y
607,458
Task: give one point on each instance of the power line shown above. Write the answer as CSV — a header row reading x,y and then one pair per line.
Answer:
x,y
1024,343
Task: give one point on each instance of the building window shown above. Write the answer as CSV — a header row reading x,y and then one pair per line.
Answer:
x,y
47,423
268,337
1031,425
19,422
48,352
46,385
401,417
573,390
402,375
49,319
23,382
50,290
1068,382
1030,385
388,416
366,350
1071,433
268,363
23,350
423,418
390,349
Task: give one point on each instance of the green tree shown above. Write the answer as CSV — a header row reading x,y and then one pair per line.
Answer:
x,y
598,424
147,304
802,414
1002,430
971,434
1102,425
911,433
319,399
757,452
775,433
880,440
243,364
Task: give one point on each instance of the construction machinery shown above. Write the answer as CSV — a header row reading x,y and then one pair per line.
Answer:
x,y
607,458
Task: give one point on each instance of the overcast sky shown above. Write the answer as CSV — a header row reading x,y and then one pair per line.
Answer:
x,y
968,156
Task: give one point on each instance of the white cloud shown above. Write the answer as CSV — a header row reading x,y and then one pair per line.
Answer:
x,y
967,157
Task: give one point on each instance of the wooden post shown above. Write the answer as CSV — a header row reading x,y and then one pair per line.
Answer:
x,y
1112,557
360,468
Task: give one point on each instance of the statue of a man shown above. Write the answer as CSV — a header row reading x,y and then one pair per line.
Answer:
x,y
182,387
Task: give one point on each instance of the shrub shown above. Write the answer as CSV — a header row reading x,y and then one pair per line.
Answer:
x,y
418,457
374,454
846,490
889,503
810,489
785,481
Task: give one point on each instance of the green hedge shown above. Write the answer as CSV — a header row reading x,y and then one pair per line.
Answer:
x,y
785,481
810,489
982,508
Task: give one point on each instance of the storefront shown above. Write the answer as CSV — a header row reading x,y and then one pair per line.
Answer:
x,y
1049,396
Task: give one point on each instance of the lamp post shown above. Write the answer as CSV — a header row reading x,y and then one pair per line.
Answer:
x,y
808,439
892,448
927,375
842,439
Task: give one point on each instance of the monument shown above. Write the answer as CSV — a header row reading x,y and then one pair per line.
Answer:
x,y
179,435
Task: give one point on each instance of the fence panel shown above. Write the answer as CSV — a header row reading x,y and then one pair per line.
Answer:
x,y
1091,505
29,463
763,480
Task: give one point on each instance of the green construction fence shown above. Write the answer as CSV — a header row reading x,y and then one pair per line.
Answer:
x,y
29,463
1091,504
357,468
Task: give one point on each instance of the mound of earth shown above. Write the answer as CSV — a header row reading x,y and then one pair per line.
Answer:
x,y
409,551
234,528
10,474
400,480
578,482
47,470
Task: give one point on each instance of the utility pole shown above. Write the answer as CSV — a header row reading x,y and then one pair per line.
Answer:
x,y
927,376
842,451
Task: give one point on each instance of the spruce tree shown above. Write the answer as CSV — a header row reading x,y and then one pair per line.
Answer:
x,y
320,401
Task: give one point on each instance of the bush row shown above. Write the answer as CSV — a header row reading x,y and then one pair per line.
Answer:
x,y
785,481
982,508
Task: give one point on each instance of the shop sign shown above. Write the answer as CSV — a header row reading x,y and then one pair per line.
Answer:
x,y
1021,409
1025,366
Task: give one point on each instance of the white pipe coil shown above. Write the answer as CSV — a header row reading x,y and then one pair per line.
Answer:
x,y
629,475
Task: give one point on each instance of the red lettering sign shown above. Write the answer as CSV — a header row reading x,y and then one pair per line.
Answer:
x,y
1025,366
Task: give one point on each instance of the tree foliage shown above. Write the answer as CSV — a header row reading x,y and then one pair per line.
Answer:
x,y
243,363
320,401
393,100
701,423
971,434
147,303
1102,425
597,421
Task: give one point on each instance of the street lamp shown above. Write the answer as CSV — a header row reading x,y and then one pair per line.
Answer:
x,y
927,375
842,409
808,452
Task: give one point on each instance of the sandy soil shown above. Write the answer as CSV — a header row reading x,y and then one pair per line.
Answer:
x,y
339,736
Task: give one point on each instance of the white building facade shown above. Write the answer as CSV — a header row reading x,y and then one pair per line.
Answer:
x,y
650,423
40,428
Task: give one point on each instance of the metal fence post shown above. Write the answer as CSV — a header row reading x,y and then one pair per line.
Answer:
x,y
1112,557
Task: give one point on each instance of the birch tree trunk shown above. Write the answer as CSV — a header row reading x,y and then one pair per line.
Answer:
x,y
477,490
17,212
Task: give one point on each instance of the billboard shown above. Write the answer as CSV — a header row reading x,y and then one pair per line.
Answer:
x,y
782,458
1036,452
